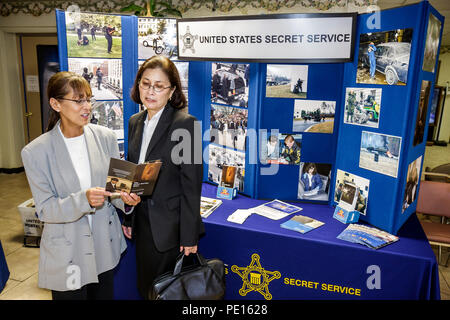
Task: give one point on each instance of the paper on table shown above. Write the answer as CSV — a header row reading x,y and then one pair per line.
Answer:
x,y
239,216
275,209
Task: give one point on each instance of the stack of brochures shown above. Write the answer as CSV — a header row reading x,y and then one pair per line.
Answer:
x,y
208,205
301,224
371,237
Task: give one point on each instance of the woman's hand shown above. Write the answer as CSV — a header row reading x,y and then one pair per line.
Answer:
x,y
96,196
130,199
127,231
188,250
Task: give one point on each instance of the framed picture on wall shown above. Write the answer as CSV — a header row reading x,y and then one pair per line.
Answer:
x,y
314,116
422,112
431,44
93,35
286,81
412,182
362,106
380,153
229,84
384,57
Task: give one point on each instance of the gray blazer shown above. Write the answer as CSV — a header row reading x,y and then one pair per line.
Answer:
x,y
67,240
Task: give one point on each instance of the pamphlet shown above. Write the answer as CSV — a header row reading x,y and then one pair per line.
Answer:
x,y
239,216
275,209
131,177
301,224
371,237
208,205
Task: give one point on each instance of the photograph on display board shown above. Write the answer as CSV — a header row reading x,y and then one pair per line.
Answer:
x,y
109,114
121,144
228,126
384,57
422,112
157,36
431,44
362,106
314,181
93,35
104,76
286,81
183,71
412,182
229,83
380,153
314,116
282,149
220,157
343,177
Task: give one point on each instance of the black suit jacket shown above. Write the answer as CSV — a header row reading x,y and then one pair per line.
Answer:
x,y
174,206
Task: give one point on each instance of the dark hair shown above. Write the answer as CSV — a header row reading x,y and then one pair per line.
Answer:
x,y
59,85
178,100
309,166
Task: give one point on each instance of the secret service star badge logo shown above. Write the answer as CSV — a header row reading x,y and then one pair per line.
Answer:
x,y
188,40
255,278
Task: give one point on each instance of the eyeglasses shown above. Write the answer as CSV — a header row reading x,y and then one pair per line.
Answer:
x,y
158,87
80,101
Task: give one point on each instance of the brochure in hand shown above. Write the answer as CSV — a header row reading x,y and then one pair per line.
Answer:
x,y
301,224
208,205
371,237
131,177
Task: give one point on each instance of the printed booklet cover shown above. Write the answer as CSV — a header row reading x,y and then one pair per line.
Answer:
x,y
301,224
208,205
131,177
371,237
275,209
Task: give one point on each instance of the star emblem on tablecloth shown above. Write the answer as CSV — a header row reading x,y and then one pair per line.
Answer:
x,y
255,278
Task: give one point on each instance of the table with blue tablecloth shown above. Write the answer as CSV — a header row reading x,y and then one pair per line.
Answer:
x,y
266,261
4,271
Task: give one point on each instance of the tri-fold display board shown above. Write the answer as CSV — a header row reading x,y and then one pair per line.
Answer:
x,y
292,106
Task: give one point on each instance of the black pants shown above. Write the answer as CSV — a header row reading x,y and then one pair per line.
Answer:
x,y
103,290
109,39
150,263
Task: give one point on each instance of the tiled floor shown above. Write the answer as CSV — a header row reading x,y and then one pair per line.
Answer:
x,y
23,261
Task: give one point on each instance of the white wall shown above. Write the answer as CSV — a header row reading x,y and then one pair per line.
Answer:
x,y
444,80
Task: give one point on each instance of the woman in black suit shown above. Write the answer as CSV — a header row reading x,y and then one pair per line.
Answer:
x,y
168,221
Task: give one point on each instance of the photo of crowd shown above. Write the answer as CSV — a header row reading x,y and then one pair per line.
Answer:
x,y
228,126
93,35
229,84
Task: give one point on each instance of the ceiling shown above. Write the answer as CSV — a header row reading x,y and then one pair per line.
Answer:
x,y
442,6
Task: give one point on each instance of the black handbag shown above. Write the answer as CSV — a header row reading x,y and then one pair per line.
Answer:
x,y
204,280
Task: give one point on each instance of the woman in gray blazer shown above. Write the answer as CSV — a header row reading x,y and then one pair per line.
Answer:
x,y
66,168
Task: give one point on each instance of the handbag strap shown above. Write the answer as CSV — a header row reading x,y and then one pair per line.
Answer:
x,y
180,259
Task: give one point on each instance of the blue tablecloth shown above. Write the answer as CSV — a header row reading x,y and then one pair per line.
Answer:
x,y
4,271
265,261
